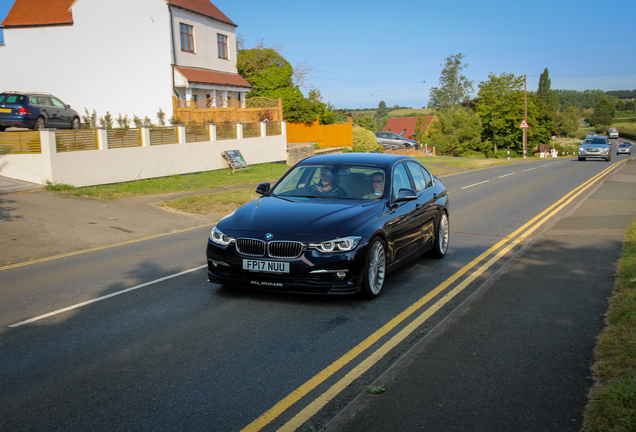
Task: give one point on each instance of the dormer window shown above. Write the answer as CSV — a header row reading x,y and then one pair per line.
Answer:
x,y
221,41
187,38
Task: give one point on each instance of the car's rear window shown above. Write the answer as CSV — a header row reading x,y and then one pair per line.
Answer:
x,y
11,98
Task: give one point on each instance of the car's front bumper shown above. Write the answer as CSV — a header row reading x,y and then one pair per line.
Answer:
x,y
313,272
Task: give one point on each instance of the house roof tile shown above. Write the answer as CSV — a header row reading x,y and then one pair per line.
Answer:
x,y
33,13
398,124
204,7
206,76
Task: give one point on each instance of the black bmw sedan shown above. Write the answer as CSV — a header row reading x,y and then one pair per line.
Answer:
x,y
333,224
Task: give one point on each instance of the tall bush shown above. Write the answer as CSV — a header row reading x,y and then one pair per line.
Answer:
x,y
365,141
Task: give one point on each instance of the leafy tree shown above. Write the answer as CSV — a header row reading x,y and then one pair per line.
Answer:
x,y
382,110
454,88
568,121
630,106
620,105
272,76
457,132
603,114
545,92
365,122
500,104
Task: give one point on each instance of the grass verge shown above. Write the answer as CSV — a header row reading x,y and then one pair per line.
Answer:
x,y
612,399
182,183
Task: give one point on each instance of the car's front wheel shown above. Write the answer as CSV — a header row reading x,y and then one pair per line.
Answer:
x,y
40,124
374,269
581,158
440,246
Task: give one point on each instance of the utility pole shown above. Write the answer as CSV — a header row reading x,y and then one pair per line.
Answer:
x,y
525,117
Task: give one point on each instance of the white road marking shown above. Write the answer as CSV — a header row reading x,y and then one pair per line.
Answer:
x,y
466,187
529,169
506,175
79,305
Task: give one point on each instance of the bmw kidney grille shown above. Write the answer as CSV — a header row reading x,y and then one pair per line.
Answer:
x,y
275,249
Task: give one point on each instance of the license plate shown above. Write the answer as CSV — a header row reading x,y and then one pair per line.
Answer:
x,y
8,110
265,266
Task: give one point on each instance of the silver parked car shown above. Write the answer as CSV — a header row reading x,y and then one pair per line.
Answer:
x,y
390,140
596,146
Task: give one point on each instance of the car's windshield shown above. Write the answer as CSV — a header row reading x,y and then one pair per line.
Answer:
x,y
595,141
359,182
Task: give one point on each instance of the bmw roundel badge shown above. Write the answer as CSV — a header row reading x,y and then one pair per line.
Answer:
x,y
269,236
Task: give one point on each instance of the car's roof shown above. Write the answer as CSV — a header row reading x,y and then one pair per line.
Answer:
x,y
379,159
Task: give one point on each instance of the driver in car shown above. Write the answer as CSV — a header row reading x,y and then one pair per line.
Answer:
x,y
329,184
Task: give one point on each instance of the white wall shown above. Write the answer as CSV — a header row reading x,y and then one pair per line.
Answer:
x,y
116,57
93,167
205,54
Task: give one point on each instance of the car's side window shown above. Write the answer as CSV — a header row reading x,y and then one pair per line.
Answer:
x,y
400,179
428,176
43,100
418,176
58,103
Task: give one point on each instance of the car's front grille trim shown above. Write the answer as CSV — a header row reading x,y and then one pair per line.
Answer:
x,y
251,247
275,249
285,249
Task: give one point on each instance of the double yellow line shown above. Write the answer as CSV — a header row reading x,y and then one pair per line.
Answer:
x,y
509,242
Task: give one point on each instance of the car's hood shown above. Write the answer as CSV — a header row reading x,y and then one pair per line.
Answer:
x,y
288,218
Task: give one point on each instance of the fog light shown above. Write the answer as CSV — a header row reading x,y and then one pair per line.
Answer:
x,y
341,275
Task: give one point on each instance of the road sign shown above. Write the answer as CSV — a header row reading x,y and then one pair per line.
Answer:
x,y
524,124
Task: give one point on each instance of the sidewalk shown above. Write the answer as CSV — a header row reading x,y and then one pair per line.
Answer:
x,y
36,223
516,355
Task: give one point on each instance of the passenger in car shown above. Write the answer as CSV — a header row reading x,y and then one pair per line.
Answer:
x,y
377,186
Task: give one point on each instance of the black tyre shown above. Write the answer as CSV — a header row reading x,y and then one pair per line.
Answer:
x,y
75,124
581,158
442,237
2,128
374,269
40,124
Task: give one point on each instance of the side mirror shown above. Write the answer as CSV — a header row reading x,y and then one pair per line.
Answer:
x,y
262,188
405,194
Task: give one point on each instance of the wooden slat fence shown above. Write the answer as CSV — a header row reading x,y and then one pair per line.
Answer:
x,y
20,143
122,138
218,110
337,135
76,140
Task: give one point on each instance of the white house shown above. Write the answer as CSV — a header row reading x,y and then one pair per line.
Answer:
x,y
122,56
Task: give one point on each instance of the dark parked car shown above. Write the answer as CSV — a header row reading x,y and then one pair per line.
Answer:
x,y
36,111
333,224
624,148
390,140
596,146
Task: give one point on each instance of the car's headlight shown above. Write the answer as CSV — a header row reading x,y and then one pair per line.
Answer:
x,y
218,237
344,244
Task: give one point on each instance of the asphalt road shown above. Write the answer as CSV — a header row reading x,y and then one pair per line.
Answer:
x,y
158,348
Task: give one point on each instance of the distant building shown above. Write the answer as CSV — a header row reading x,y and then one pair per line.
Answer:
x,y
405,126
122,56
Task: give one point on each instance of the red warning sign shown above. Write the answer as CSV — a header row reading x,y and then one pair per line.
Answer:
x,y
524,124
